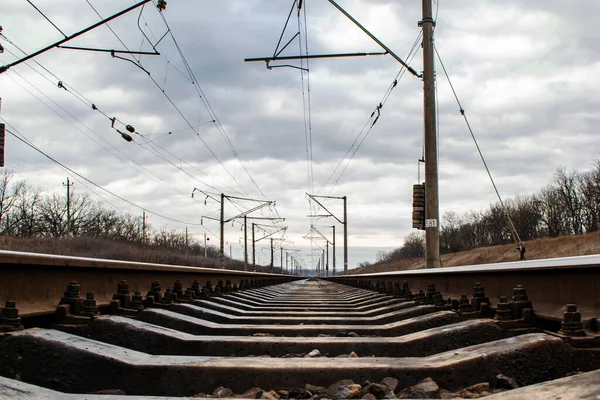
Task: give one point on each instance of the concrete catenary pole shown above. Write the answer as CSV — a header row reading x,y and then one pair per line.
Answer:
x,y
432,232
272,266
68,186
222,248
345,237
253,248
245,243
333,244
327,259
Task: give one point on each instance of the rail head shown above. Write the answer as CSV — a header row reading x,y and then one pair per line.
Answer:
x,y
590,261
30,260
37,282
550,283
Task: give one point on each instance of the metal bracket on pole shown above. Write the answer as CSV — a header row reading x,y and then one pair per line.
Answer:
x,y
5,68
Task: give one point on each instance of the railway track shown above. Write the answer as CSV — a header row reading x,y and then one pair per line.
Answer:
x,y
216,333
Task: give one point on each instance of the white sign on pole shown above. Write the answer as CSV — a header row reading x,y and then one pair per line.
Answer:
x,y
430,223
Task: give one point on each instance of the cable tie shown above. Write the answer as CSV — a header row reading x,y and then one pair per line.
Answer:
x,y
462,112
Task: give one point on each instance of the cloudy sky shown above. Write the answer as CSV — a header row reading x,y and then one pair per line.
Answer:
x,y
527,74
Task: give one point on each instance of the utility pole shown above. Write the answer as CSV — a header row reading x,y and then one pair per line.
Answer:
x,y
253,247
330,214
345,237
186,241
281,259
327,260
272,266
245,243
68,186
222,222
144,226
205,249
264,237
333,226
432,230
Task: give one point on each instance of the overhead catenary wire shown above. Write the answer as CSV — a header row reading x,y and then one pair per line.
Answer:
x,y
209,107
470,129
122,157
200,93
19,136
304,70
86,101
47,19
170,100
126,158
306,101
371,121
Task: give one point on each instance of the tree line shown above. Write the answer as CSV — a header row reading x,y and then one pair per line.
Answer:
x,y
27,211
569,205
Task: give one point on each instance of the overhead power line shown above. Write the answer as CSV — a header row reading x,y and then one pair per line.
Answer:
x,y
89,103
47,19
14,132
209,107
487,169
371,121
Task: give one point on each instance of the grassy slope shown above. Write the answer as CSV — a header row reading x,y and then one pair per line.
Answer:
x,y
563,246
109,249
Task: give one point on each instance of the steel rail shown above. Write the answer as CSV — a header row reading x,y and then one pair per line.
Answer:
x,y
37,281
550,283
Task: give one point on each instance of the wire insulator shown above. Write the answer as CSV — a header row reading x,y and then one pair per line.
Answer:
x,y
125,136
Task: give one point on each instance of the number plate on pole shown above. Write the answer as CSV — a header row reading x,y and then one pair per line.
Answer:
x,y
430,223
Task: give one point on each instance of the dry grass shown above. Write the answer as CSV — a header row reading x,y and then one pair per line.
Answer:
x,y
563,246
83,246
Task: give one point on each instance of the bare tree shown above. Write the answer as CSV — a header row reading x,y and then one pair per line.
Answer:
x,y
81,207
9,195
526,215
23,216
589,190
566,185
450,233
52,213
